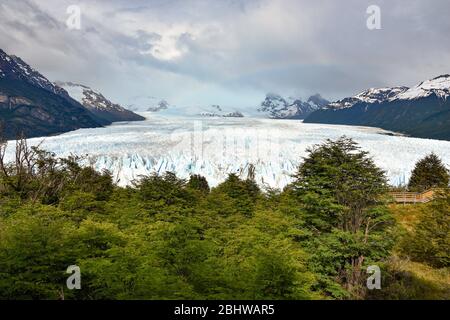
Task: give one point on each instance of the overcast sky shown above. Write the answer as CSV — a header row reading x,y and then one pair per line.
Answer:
x,y
229,52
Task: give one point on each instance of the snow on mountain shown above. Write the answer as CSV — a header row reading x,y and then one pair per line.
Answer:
x,y
440,86
148,104
277,107
372,95
421,111
14,67
316,101
218,111
161,105
88,97
217,147
95,102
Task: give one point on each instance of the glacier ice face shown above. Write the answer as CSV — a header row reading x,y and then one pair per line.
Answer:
x,y
215,147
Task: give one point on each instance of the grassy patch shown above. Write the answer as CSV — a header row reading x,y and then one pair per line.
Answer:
x,y
407,215
406,279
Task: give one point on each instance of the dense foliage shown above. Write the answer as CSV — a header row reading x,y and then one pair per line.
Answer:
x,y
168,238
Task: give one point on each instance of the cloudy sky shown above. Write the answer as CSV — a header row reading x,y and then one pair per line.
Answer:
x,y
229,52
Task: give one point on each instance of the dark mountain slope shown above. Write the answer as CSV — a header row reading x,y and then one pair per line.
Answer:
x,y
32,105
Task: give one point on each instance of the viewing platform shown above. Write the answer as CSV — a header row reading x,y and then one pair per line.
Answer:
x,y
414,197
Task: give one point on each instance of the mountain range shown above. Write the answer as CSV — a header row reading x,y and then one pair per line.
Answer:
x,y
277,107
421,111
32,105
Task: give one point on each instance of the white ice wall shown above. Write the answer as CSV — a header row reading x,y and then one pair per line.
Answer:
x,y
216,147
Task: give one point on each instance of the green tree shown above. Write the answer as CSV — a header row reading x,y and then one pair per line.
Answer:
x,y
258,258
164,193
429,172
241,195
341,192
199,183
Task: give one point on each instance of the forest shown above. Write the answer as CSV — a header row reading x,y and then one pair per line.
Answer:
x,y
168,238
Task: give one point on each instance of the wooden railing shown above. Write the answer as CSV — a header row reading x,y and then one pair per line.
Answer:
x,y
413,197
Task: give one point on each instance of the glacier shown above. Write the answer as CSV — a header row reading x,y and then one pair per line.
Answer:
x,y
215,147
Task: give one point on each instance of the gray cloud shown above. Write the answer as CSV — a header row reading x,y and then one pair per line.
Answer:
x,y
230,52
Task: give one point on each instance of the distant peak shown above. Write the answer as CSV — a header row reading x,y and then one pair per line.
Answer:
x,y
278,107
272,95
318,100
315,96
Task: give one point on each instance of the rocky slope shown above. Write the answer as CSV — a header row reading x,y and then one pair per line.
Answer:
x,y
97,104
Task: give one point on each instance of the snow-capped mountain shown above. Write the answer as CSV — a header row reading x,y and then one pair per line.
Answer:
x,y
148,103
32,105
372,95
317,101
96,103
277,107
421,111
439,86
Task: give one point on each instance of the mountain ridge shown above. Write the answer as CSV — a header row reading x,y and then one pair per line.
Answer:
x,y
421,111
